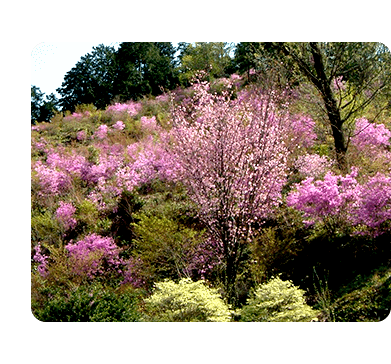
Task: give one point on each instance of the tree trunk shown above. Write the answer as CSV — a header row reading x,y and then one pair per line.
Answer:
x,y
320,81
323,85
336,128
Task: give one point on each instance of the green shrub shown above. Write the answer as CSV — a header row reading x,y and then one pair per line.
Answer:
x,y
367,299
45,228
277,301
93,303
164,246
185,301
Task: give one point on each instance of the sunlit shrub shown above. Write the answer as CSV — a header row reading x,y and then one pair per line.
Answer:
x,y
186,301
277,301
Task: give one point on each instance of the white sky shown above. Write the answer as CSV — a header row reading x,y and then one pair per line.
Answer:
x,y
51,61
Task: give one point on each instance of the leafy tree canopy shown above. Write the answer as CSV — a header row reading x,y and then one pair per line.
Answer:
x,y
90,81
144,68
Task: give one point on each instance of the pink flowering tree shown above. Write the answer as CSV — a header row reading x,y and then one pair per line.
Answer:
x,y
233,162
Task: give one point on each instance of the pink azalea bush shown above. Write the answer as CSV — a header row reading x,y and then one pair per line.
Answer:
x,y
131,108
64,215
51,180
370,135
359,205
90,255
42,259
101,132
119,125
299,131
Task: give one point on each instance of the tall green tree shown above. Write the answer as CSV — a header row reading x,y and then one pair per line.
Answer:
x,y
90,80
213,57
144,68
42,109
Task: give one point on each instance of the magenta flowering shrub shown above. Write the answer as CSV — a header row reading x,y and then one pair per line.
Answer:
x,y
73,164
119,125
149,124
334,196
150,160
94,255
374,209
365,206
64,215
42,259
81,135
51,180
131,108
101,132
370,135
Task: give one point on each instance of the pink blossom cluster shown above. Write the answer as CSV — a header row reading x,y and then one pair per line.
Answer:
x,y
81,135
119,125
101,132
343,197
299,131
131,107
149,124
51,180
64,215
370,135
338,84
150,160
73,164
116,168
94,255
313,165
77,115
41,259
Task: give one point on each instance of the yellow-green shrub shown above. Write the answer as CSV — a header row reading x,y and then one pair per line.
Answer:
x,y
186,301
277,301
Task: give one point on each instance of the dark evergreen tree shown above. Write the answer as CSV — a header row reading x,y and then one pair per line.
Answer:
x,y
90,81
144,68
41,109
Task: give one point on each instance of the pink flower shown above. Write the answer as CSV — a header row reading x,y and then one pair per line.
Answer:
x,y
119,125
101,132
81,135
338,85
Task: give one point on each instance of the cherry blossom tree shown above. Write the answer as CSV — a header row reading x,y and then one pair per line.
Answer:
x,y
233,161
